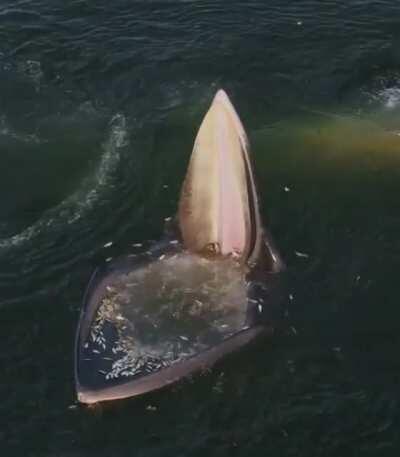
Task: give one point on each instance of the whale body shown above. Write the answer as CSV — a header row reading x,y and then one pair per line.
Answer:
x,y
150,320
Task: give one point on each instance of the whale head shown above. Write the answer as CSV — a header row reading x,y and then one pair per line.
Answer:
x,y
218,209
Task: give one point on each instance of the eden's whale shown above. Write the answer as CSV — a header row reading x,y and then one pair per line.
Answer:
x,y
149,320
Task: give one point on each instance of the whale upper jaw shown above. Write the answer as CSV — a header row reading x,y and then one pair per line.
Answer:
x,y
218,209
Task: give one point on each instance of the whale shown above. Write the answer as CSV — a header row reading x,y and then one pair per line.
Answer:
x,y
210,287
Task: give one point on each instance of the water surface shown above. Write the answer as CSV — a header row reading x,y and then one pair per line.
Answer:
x,y
99,106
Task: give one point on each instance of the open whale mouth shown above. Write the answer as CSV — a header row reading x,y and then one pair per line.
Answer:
x,y
218,210
150,320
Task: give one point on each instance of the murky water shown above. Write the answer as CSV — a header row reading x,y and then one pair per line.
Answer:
x,y
99,105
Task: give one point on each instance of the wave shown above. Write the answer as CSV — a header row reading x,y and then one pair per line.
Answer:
x,y
93,187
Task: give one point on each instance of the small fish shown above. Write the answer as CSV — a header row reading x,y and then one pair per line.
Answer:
x,y
302,254
107,245
137,245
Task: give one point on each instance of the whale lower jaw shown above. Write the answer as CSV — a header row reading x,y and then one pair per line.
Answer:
x,y
172,374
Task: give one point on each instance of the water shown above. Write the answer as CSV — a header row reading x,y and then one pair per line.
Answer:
x,y
99,105
153,313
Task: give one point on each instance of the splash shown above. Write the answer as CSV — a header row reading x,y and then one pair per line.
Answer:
x,y
384,91
391,97
33,70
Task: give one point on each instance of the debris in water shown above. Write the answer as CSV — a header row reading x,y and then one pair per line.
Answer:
x,y
286,313
285,433
286,189
301,254
108,259
291,298
294,331
291,366
151,408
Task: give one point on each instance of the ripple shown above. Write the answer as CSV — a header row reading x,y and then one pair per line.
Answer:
x,y
75,206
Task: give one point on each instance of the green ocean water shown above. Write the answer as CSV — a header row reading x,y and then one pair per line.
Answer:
x,y
99,106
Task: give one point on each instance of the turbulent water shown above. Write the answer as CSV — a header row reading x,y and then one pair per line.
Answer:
x,y
99,105
157,312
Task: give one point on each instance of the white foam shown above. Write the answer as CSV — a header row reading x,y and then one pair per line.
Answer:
x,y
391,97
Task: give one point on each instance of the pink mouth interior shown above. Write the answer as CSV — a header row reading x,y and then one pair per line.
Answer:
x,y
232,230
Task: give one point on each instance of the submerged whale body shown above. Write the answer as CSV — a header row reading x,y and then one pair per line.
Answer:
x,y
152,319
